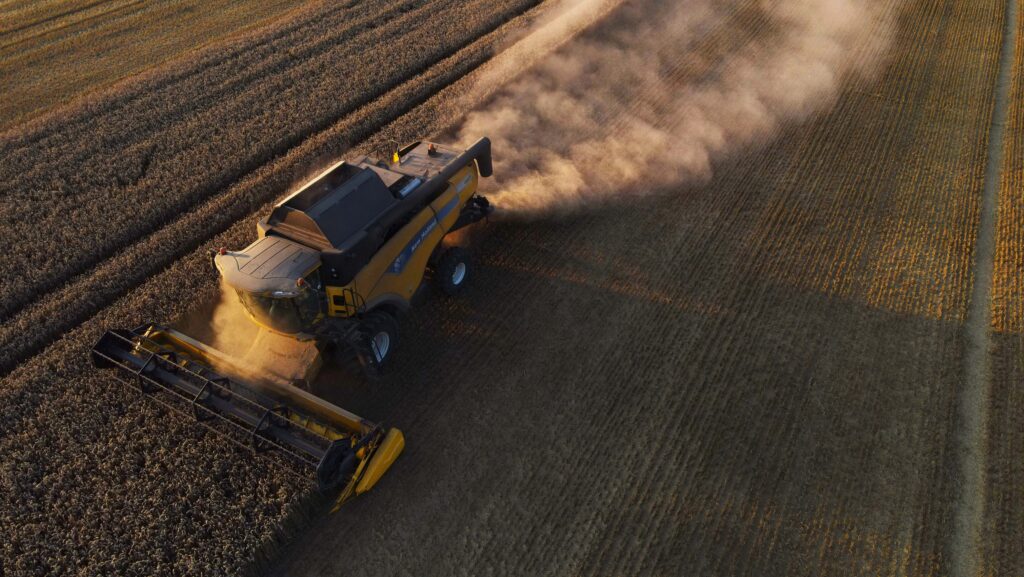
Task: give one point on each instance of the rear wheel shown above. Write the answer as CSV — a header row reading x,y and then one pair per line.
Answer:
x,y
453,270
378,339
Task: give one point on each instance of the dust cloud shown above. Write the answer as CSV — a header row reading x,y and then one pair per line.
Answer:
x,y
254,354
234,335
234,331
655,93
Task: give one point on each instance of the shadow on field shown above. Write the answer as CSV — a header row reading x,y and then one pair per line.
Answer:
x,y
611,395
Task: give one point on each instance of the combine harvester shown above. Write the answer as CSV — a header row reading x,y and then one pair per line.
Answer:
x,y
334,265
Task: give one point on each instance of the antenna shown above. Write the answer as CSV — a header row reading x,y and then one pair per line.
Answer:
x,y
393,150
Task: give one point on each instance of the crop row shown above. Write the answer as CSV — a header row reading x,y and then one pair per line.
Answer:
x,y
920,265
22,19
53,51
44,320
164,152
1008,281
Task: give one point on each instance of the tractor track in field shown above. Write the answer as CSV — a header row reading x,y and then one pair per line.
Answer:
x,y
974,396
1004,472
68,59
145,87
106,14
52,17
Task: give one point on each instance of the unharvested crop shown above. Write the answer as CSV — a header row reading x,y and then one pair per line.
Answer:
x,y
96,479
54,50
1004,501
66,182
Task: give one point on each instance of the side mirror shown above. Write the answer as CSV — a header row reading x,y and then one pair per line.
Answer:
x,y
214,253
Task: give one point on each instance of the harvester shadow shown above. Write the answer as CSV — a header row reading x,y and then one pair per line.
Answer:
x,y
585,375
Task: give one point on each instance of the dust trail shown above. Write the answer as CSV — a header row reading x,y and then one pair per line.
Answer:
x,y
973,397
559,26
634,104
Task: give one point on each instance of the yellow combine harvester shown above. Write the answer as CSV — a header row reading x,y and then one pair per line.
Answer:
x,y
334,265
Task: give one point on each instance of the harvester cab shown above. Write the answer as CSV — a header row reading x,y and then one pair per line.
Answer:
x,y
334,265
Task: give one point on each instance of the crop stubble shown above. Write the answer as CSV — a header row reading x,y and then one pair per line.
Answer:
x,y
756,376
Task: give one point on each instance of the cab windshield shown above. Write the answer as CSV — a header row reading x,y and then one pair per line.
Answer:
x,y
286,314
278,313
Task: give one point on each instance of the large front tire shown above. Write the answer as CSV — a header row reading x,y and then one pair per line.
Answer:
x,y
378,339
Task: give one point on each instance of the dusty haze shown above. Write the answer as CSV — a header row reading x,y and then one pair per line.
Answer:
x,y
645,100
259,355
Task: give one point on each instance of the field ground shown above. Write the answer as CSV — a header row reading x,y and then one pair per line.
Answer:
x,y
1005,501
54,51
755,376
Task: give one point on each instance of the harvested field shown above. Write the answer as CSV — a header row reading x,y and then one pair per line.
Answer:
x,y
753,375
53,51
69,438
1003,528
768,388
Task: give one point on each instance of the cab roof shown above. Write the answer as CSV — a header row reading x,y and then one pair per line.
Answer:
x,y
272,263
